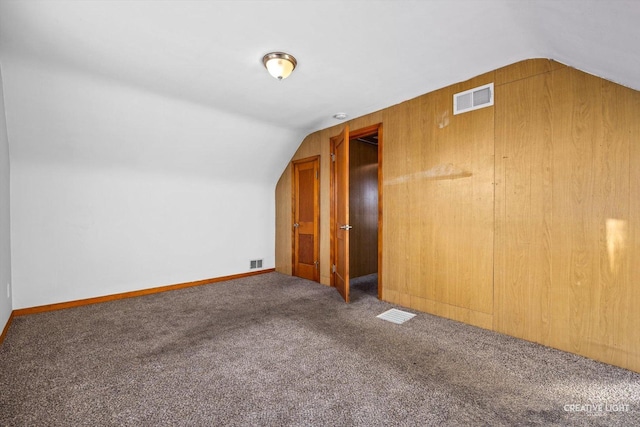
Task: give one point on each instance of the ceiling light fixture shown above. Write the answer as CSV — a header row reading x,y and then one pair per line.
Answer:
x,y
340,116
279,64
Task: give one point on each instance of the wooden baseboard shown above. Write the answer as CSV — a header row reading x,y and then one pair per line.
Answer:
x,y
132,294
6,328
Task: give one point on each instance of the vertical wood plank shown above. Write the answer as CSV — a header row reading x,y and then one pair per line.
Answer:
x,y
540,275
394,261
576,129
523,208
414,218
611,214
630,313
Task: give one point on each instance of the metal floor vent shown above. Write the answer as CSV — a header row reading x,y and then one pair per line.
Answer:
x,y
395,316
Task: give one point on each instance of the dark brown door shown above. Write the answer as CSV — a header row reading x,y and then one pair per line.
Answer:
x,y
340,218
306,219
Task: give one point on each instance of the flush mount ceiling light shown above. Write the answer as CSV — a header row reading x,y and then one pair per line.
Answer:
x,y
279,64
340,116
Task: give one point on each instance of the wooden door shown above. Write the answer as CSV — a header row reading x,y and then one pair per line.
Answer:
x,y
340,207
306,219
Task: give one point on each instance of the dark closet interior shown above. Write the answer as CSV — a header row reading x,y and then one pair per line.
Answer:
x,y
363,212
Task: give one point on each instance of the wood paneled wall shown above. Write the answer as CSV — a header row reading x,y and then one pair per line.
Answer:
x,y
523,217
565,149
363,208
438,230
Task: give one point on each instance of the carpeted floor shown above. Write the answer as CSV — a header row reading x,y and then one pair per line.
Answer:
x,y
277,350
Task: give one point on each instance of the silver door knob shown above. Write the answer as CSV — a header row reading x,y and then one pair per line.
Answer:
x,y
296,225
346,227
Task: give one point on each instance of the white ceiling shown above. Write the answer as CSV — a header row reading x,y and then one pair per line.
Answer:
x,y
353,56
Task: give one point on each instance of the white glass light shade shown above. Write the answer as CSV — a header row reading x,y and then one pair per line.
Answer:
x,y
280,65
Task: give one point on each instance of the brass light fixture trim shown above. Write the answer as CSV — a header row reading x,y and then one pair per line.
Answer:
x,y
279,64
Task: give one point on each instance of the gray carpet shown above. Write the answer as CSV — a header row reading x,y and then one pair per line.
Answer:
x,y
277,350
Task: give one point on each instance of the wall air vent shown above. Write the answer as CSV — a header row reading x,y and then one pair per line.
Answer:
x,y
255,263
473,99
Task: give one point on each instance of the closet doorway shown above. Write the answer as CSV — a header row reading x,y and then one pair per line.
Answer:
x,y
356,212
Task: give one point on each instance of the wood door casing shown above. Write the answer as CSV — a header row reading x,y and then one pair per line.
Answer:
x,y
306,218
353,135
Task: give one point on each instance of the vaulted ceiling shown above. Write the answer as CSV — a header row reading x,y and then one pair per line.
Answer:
x,y
179,85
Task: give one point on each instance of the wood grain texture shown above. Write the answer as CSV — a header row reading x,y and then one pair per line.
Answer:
x,y
438,182
611,292
395,258
310,147
525,69
564,212
542,240
451,201
631,314
340,236
523,208
470,317
305,213
363,208
575,133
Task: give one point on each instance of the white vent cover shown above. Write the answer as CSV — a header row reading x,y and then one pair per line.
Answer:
x,y
473,99
395,316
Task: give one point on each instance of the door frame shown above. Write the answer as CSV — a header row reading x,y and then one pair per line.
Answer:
x,y
316,213
358,133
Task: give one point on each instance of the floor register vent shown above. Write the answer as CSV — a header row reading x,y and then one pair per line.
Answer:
x,y
395,316
473,99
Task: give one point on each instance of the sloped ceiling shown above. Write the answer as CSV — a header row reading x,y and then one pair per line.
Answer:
x,y
354,57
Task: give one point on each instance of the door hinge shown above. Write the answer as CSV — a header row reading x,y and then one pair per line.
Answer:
x,y
317,263
333,268
316,174
333,157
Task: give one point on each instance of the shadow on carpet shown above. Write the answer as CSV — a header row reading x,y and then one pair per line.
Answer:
x,y
277,350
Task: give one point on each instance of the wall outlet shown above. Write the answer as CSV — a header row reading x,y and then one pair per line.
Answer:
x,y
8,290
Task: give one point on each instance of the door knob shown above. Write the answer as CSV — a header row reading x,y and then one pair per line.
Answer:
x,y
296,225
346,227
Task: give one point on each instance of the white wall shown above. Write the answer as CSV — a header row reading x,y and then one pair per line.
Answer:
x,y
5,241
84,232
114,189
